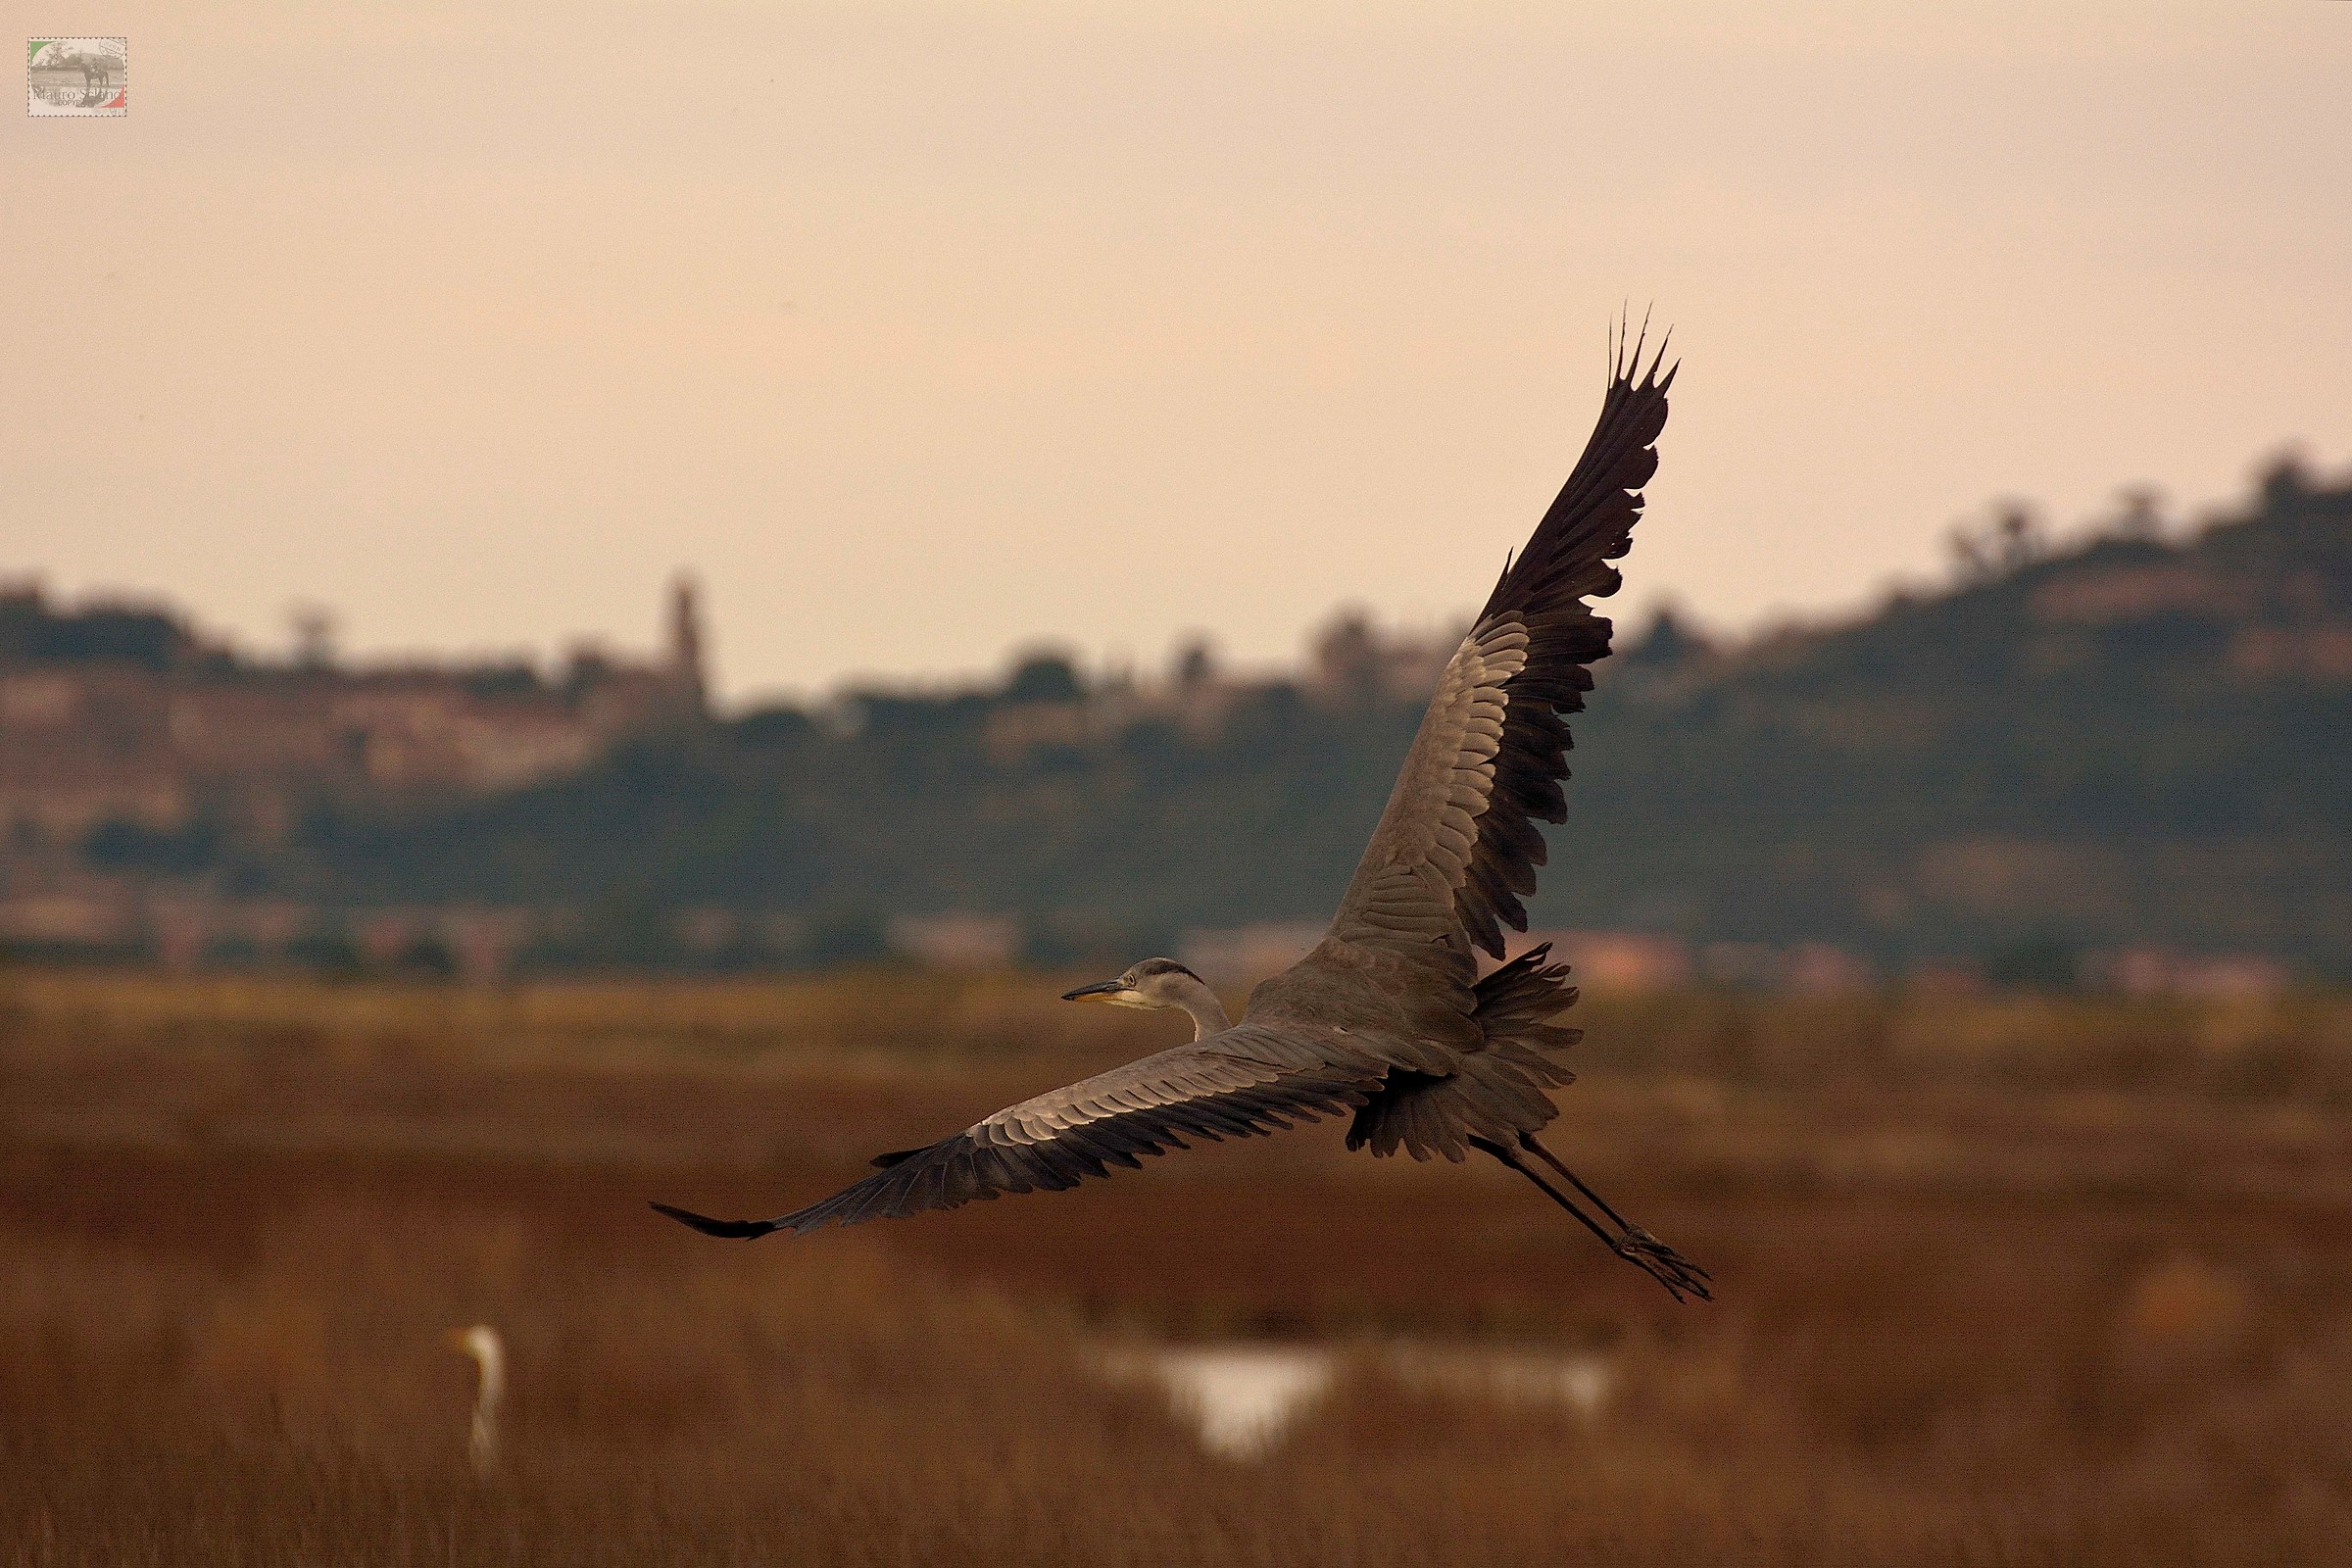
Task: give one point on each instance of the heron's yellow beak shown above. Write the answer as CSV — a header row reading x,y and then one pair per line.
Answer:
x,y
1099,990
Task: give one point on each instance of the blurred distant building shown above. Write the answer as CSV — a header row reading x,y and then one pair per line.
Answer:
x,y
1043,704
1620,960
1804,968
1242,954
1354,664
118,713
688,681
127,739
957,941
2153,972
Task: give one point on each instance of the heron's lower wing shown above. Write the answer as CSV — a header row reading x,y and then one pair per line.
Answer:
x,y
1457,847
1245,1081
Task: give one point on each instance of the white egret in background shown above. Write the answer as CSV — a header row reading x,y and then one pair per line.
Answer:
x,y
489,1352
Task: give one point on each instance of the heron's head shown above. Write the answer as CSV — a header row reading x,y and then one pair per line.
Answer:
x,y
1152,983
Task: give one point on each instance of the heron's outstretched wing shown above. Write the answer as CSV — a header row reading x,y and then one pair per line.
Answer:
x,y
1246,1080
1457,846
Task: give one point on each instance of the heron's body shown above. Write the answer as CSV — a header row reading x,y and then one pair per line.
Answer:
x,y
1388,1017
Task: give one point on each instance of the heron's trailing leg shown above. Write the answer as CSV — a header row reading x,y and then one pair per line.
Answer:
x,y
1634,1240
1504,1155
1628,1241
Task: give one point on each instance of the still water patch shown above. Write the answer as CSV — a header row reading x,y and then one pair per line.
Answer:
x,y
1242,1396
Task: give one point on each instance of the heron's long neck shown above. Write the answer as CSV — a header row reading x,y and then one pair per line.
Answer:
x,y
1201,1006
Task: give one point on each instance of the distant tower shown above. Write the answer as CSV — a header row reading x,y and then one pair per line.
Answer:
x,y
313,636
686,646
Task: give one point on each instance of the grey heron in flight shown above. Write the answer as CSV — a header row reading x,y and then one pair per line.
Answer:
x,y
1388,1016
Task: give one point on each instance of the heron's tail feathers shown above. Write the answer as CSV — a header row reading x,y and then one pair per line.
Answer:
x,y
1495,1094
736,1230
1515,1006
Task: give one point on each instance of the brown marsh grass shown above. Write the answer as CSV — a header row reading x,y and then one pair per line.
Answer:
x,y
2002,1282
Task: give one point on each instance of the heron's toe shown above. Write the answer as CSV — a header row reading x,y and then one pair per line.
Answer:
x,y
1665,1265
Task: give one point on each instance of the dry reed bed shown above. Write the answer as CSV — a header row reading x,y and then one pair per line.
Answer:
x,y
2298,1044
1990,1324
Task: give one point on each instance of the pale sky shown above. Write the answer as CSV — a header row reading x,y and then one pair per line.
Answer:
x,y
921,331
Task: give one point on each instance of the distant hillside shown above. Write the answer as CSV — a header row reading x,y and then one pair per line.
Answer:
x,y
2134,741
2131,742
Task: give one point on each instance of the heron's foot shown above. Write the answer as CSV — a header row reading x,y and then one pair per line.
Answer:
x,y
1670,1268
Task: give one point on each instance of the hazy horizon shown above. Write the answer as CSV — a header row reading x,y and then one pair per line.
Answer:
x,y
921,332
1632,612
